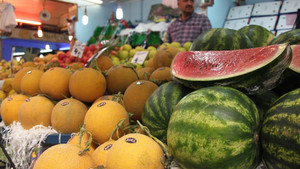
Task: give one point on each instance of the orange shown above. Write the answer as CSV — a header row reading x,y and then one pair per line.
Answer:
x,y
87,84
18,77
136,151
30,83
64,156
55,83
10,108
35,110
136,96
68,115
102,118
101,152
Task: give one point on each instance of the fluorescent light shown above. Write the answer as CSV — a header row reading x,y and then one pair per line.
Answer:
x,y
28,22
119,12
95,1
45,50
18,53
64,48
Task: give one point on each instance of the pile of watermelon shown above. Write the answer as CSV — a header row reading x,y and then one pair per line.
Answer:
x,y
234,102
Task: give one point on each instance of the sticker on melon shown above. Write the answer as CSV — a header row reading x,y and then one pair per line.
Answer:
x,y
252,70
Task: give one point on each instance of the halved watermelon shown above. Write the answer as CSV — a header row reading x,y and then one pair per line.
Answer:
x,y
253,70
295,64
290,79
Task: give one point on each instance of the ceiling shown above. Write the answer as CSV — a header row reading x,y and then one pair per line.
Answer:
x,y
32,8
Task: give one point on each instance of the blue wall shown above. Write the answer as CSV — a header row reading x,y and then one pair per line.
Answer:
x,y
138,10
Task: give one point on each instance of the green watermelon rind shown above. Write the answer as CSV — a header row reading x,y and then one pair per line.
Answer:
x,y
280,135
215,127
259,35
256,79
221,39
292,37
159,107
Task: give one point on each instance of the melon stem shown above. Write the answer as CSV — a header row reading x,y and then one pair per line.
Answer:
x,y
162,145
118,126
88,143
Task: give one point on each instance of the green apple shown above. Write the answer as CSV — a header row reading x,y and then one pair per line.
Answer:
x,y
123,54
151,53
182,49
150,48
132,52
115,60
164,45
187,45
176,44
139,48
127,47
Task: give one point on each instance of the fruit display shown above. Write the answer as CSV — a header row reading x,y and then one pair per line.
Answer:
x,y
204,104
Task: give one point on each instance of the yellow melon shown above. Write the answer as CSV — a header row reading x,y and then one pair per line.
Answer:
x,y
101,152
164,56
18,77
136,96
55,83
35,110
119,77
64,156
87,84
102,118
10,108
30,83
68,115
136,151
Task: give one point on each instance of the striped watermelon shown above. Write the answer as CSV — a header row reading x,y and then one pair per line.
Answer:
x,y
252,70
215,127
159,107
221,39
292,37
259,35
280,136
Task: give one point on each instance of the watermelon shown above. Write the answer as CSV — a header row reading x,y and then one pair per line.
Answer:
x,y
221,39
259,35
292,37
159,107
290,80
252,70
280,135
215,127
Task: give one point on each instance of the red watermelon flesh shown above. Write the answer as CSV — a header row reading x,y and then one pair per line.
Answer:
x,y
295,64
217,65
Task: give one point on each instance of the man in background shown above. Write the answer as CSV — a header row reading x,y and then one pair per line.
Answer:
x,y
188,26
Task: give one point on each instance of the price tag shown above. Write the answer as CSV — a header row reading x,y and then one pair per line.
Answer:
x,y
78,49
139,57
